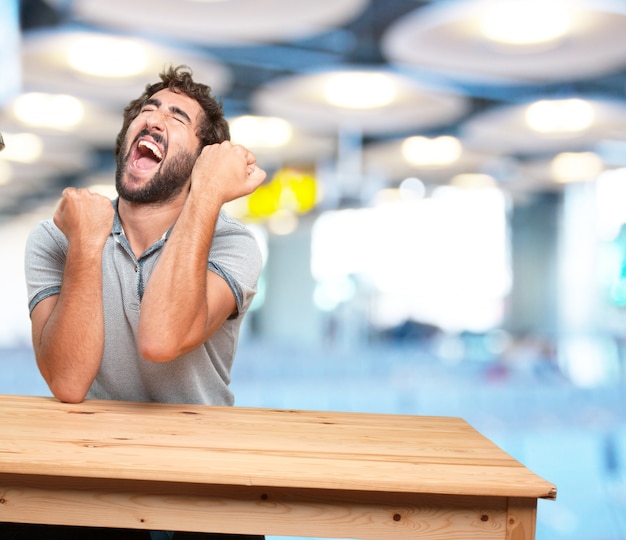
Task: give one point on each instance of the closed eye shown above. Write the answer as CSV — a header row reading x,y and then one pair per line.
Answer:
x,y
174,112
180,115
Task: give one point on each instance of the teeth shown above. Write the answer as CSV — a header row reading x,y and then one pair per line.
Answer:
x,y
152,147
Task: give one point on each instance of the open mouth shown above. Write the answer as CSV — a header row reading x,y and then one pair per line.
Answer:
x,y
147,155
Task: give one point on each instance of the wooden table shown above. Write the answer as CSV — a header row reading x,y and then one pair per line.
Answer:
x,y
245,470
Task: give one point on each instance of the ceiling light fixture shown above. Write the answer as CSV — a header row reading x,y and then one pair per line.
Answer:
x,y
59,111
525,22
560,116
106,190
570,167
5,172
437,152
22,147
359,90
260,131
107,56
387,196
283,222
473,181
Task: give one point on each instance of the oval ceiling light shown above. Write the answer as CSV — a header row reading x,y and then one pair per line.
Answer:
x,y
5,173
359,90
106,190
107,56
108,65
218,23
422,163
473,181
387,196
559,116
569,167
22,147
399,102
260,131
525,22
440,151
283,222
448,38
58,111
513,129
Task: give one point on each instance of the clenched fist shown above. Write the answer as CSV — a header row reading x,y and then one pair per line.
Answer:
x,y
84,217
226,171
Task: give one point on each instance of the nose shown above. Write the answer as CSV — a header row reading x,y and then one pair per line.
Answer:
x,y
154,121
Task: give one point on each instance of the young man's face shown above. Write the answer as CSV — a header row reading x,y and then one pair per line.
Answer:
x,y
160,149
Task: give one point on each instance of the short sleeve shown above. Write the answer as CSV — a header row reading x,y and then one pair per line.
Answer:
x,y
44,262
236,257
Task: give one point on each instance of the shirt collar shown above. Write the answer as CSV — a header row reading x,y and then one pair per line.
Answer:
x,y
117,223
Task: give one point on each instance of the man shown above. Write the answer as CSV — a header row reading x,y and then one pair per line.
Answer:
x,y
142,299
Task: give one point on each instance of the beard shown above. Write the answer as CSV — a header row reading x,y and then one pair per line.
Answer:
x,y
164,185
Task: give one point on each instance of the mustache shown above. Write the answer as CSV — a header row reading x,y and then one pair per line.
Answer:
x,y
157,137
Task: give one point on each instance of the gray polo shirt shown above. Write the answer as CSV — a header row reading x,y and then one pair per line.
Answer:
x,y
200,376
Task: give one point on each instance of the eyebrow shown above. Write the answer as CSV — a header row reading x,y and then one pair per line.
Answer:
x,y
173,109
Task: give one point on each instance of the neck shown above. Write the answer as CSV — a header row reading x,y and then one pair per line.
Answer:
x,y
144,224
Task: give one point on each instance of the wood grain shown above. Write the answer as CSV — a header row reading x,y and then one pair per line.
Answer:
x,y
241,446
246,470
165,506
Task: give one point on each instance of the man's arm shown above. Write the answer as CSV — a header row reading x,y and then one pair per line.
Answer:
x,y
68,328
184,304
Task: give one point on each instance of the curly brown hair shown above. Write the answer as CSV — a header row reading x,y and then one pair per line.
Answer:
x,y
213,128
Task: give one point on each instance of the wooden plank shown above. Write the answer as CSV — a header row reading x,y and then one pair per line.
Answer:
x,y
172,506
307,449
93,459
333,431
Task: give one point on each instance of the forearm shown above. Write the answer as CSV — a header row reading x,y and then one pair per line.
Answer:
x,y
183,304
174,309
69,345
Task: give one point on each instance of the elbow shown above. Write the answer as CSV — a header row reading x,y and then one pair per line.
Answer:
x,y
68,395
66,390
156,351
163,347
75,400
155,346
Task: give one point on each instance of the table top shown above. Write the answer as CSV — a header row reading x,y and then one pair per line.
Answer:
x,y
257,447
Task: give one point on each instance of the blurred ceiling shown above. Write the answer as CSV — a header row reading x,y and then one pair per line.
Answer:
x,y
274,58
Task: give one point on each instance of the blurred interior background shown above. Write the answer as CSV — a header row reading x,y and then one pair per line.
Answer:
x,y
443,222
